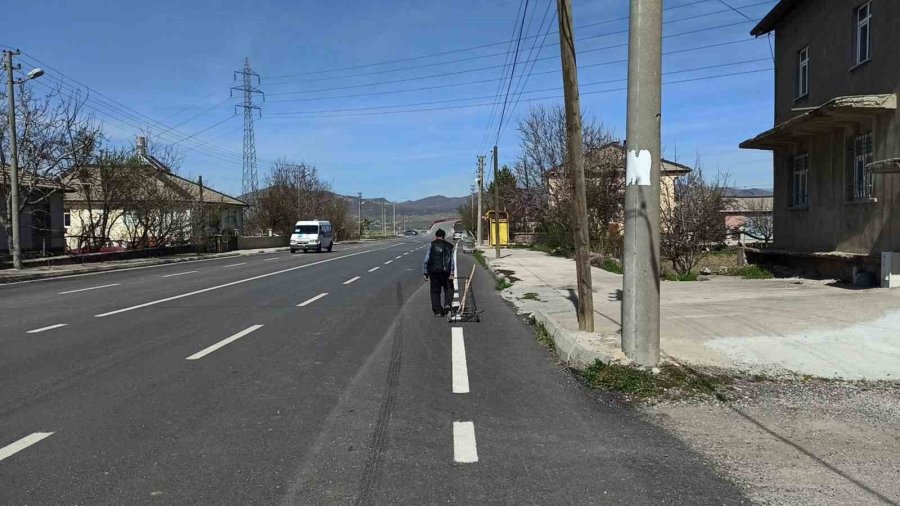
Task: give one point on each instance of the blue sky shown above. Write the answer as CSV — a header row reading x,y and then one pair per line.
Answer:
x,y
171,63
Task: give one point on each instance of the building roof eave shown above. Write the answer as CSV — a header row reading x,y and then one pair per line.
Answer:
x,y
768,22
833,114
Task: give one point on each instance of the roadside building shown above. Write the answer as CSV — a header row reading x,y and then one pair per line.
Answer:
x,y
836,139
748,217
610,160
165,208
41,221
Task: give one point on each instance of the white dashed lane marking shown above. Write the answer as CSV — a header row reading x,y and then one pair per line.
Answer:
x,y
373,269
389,261
234,265
206,351
91,288
14,448
351,280
464,449
310,301
51,327
179,274
458,360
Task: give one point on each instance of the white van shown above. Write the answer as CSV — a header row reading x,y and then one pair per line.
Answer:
x,y
312,235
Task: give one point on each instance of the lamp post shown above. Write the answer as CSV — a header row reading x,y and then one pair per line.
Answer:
x,y
13,148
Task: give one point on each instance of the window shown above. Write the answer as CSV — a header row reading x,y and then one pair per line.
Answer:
x,y
862,157
800,181
803,72
67,219
863,33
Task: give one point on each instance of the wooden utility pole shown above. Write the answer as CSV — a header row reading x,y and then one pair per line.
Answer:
x,y
575,159
640,294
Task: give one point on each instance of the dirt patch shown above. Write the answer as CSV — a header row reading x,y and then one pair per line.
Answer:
x,y
509,275
798,442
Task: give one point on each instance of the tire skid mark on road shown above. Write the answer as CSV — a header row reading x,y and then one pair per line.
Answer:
x,y
372,469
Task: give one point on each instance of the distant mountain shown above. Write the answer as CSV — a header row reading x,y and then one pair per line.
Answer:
x,y
747,192
418,213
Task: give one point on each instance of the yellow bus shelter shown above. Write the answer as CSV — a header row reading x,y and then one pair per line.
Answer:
x,y
498,226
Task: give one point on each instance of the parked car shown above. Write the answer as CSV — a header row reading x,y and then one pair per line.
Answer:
x,y
410,233
312,235
457,236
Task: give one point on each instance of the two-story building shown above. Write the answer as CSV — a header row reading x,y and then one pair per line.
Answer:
x,y
836,140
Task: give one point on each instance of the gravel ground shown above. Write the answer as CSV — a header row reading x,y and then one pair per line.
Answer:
x,y
798,442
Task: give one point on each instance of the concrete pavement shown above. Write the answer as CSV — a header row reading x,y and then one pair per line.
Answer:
x,y
769,326
267,379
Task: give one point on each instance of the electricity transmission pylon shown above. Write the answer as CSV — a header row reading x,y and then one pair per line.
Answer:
x,y
249,179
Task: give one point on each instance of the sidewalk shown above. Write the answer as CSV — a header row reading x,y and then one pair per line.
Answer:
x,y
767,326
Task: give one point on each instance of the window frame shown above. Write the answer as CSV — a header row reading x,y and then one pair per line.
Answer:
x,y
800,181
859,24
802,73
67,219
863,181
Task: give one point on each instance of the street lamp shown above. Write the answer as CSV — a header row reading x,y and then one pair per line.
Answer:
x,y
13,148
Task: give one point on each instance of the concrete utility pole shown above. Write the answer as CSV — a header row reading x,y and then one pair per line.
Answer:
x,y
383,219
496,205
14,158
394,219
480,190
640,303
359,212
576,167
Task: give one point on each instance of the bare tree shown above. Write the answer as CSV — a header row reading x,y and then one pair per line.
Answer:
x,y
104,190
294,191
54,137
693,222
758,222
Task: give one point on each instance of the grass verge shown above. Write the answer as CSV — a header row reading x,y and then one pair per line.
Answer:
x,y
479,257
672,276
503,284
753,272
672,382
544,337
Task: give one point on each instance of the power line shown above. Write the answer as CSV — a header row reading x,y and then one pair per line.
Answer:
x,y
485,104
472,48
492,67
483,81
499,90
735,10
509,86
557,88
506,53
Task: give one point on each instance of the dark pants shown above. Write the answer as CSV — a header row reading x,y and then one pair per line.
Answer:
x,y
441,282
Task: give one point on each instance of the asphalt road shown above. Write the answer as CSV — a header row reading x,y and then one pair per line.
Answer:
x,y
209,383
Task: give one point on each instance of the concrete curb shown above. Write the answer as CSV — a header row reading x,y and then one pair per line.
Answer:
x,y
569,347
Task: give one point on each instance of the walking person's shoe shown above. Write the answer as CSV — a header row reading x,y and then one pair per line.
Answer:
x,y
438,314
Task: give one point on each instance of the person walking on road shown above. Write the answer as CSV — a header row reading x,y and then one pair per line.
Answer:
x,y
439,268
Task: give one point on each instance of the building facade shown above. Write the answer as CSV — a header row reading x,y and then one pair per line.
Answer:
x,y
836,139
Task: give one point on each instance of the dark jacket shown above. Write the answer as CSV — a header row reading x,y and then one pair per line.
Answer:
x,y
439,258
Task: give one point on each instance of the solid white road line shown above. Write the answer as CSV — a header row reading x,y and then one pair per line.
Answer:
x,y
389,261
25,442
51,327
351,280
233,265
458,361
310,301
464,450
217,287
91,288
373,269
179,274
206,351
